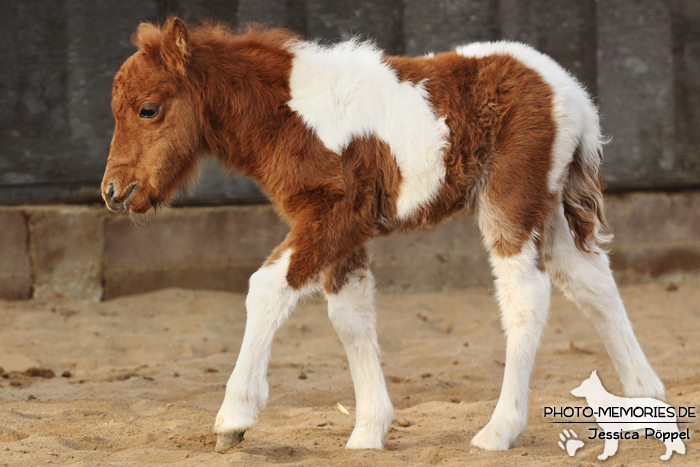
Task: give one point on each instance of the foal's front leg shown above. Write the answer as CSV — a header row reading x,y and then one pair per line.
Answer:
x,y
351,310
269,303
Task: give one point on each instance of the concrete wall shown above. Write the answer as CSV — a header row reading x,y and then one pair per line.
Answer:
x,y
640,58
86,253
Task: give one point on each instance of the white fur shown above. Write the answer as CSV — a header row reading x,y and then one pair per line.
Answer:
x,y
523,293
586,279
346,91
352,313
269,303
574,114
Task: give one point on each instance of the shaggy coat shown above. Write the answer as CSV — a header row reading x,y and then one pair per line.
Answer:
x,y
349,144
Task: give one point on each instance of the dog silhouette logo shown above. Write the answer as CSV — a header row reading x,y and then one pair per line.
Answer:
x,y
623,417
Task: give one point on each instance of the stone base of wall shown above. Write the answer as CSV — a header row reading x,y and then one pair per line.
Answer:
x,y
84,252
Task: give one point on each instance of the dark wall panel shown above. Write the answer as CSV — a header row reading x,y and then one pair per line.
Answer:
x,y
274,13
195,11
381,21
444,24
33,94
57,123
635,89
563,29
686,68
640,59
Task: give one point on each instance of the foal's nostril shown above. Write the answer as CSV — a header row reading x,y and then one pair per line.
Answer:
x,y
118,200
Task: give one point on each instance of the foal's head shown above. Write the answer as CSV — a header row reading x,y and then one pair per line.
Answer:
x,y
157,138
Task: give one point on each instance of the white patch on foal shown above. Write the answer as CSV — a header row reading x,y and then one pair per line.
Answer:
x,y
574,114
347,91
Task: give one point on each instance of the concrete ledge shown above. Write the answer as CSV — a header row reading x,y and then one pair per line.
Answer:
x,y
450,256
15,270
657,236
85,252
66,245
205,248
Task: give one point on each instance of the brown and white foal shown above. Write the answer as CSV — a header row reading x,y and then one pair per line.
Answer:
x,y
349,144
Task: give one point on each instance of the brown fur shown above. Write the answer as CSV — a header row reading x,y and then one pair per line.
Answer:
x,y
226,95
339,274
501,133
583,204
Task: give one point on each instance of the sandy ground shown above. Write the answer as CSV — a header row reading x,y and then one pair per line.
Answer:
x,y
147,375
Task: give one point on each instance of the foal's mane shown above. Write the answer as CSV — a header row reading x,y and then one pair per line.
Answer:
x,y
211,33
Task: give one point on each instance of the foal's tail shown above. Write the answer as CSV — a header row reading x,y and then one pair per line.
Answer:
x,y
583,190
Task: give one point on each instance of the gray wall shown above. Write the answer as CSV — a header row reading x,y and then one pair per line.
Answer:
x,y
640,58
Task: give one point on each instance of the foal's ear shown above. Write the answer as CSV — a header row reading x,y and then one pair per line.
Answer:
x,y
147,38
175,48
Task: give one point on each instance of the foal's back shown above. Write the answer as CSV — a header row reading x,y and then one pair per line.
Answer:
x,y
490,120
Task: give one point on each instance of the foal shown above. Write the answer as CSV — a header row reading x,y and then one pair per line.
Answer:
x,y
349,144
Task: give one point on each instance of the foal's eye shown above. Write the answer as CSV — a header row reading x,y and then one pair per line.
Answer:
x,y
149,111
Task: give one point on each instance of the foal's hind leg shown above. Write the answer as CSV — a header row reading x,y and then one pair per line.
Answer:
x,y
350,292
586,279
523,291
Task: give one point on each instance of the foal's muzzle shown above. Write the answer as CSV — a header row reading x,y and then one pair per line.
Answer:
x,y
117,199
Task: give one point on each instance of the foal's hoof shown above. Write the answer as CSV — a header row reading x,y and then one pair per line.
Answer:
x,y
225,441
497,437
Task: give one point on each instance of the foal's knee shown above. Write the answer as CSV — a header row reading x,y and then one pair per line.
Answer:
x,y
262,286
351,309
268,290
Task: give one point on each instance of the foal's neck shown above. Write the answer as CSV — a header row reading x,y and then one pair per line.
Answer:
x,y
246,88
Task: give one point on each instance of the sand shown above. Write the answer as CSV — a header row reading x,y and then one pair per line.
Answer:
x,y
147,376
